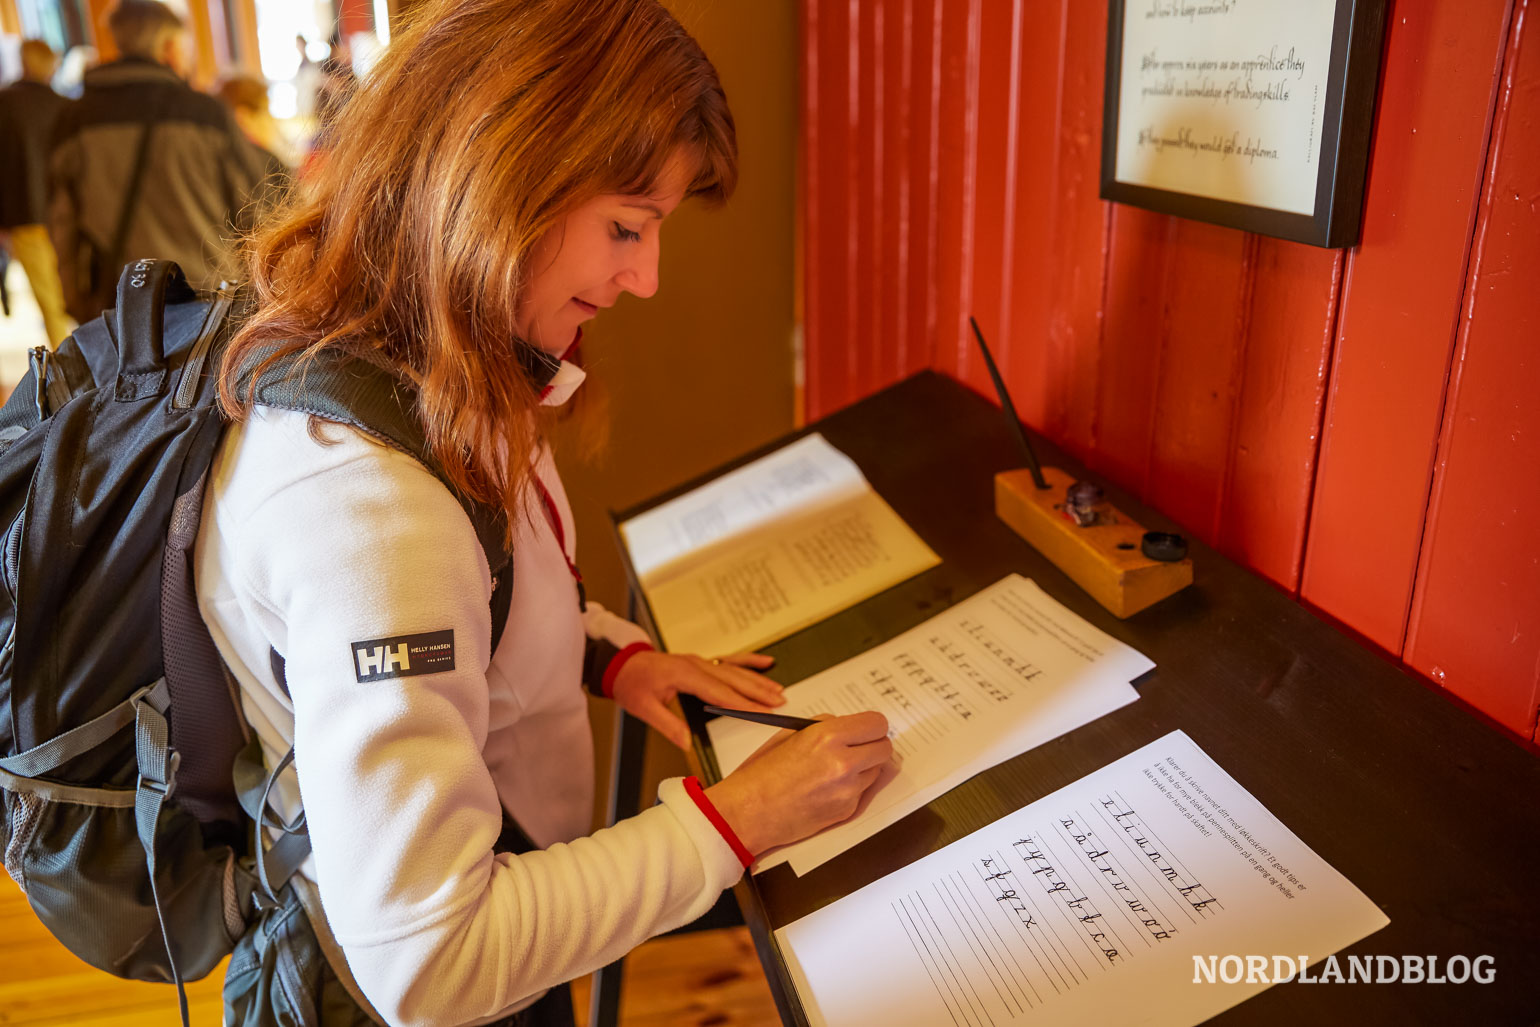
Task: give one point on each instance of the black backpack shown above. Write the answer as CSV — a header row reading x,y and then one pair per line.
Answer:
x,y
123,820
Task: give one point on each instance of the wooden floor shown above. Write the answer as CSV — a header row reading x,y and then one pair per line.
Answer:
x,y
705,979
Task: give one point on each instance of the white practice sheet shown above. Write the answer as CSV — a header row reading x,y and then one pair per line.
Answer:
x,y
1094,905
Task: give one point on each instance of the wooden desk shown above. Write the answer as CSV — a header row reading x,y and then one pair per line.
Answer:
x,y
1434,815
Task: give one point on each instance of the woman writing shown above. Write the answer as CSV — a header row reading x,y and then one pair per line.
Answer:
x,y
503,176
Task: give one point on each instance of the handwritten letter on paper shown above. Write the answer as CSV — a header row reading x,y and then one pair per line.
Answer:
x,y
995,675
1087,906
1225,98
768,549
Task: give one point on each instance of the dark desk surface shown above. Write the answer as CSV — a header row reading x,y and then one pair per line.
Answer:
x,y
1433,814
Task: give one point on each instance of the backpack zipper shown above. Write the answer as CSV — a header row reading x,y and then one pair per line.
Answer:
x,y
8,653
12,566
192,371
39,358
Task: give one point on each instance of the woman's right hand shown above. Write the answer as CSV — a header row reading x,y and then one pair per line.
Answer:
x,y
801,782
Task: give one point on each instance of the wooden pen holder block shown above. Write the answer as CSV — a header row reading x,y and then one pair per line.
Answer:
x,y
1103,558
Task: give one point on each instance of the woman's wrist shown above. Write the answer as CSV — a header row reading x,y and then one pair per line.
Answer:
x,y
707,804
618,663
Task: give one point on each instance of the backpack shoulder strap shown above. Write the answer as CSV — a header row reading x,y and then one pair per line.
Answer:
x,y
131,197
376,401
379,403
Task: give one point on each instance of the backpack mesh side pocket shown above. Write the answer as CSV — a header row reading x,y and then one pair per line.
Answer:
x,y
85,876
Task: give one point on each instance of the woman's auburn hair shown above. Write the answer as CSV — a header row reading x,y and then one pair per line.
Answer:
x,y
484,124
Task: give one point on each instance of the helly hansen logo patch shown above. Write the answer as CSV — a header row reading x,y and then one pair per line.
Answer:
x,y
404,655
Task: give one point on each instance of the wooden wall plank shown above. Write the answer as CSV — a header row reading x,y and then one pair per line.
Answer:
x,y
1474,628
841,107
1079,234
993,213
871,181
1020,340
887,182
925,181
902,175
1207,302
1136,325
863,191
957,181
1400,307
825,48
811,249
1276,440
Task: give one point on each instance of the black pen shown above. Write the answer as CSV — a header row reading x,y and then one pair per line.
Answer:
x,y
773,719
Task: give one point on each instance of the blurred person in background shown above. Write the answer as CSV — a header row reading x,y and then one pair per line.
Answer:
x,y
334,88
245,97
29,110
307,80
69,79
143,165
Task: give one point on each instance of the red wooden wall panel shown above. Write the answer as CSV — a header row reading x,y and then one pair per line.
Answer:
x,y
1141,269
1263,510
1473,625
892,30
1282,402
1014,332
829,168
925,162
1074,245
813,246
1399,310
1038,298
863,194
993,211
957,100
1199,376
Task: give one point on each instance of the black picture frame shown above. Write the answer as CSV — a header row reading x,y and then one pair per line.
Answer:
x,y
1347,123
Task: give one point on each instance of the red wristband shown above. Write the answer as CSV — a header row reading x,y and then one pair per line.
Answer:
x,y
693,788
607,684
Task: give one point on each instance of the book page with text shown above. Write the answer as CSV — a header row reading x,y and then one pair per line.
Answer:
x,y
769,549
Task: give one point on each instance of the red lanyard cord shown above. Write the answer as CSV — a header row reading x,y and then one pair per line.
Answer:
x,y
554,517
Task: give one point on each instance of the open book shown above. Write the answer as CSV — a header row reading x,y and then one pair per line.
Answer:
x,y
768,549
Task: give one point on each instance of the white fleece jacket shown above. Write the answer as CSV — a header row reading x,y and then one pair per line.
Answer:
x,y
337,556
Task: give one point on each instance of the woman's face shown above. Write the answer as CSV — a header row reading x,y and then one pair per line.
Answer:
x,y
601,249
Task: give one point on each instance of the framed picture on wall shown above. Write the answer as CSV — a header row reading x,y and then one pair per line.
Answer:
x,y
1254,114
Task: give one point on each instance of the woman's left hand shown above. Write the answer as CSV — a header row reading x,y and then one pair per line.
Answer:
x,y
650,680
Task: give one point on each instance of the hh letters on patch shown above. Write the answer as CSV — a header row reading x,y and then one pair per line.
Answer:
x,y
404,655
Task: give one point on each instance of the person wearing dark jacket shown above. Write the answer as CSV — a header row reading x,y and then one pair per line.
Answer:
x,y
143,165
29,110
